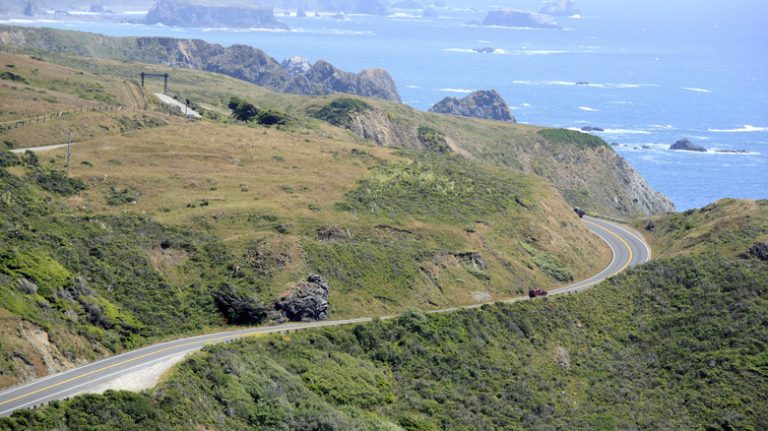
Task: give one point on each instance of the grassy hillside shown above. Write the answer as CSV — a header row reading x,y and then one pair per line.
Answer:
x,y
156,207
586,171
729,227
677,344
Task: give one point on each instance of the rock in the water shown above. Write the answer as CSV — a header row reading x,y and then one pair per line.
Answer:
x,y
182,14
686,145
307,302
486,104
30,10
520,18
296,65
301,13
430,13
759,251
561,8
592,129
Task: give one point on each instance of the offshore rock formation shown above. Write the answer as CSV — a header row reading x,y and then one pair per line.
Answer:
x,y
485,104
184,14
520,18
686,145
238,61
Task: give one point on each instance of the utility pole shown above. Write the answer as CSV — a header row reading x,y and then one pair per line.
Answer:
x,y
69,148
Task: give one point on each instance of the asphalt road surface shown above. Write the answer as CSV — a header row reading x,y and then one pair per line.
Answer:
x,y
628,248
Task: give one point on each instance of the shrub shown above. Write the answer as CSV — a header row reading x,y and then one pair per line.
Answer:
x,y
239,309
340,111
58,182
433,140
572,137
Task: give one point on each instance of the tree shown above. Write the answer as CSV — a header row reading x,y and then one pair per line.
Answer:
x,y
242,110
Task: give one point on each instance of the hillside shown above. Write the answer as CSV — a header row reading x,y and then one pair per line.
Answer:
x,y
675,344
587,172
163,226
729,227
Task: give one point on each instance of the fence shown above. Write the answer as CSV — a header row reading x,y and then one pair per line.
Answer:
x,y
15,124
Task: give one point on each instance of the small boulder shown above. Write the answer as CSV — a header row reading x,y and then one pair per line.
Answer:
x,y
306,302
686,145
332,233
26,286
485,104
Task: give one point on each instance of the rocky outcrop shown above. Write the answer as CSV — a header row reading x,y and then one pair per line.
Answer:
x,y
183,14
560,8
592,129
686,145
296,65
306,302
323,79
759,251
238,61
488,105
520,18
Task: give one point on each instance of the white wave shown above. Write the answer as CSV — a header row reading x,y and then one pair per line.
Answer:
x,y
662,127
582,84
463,50
744,129
403,15
457,90
588,109
626,132
28,21
697,89
526,105
413,86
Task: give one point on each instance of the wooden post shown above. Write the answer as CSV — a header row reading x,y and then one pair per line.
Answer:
x,y
69,148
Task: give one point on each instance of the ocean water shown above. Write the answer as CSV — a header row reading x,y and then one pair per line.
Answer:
x,y
656,72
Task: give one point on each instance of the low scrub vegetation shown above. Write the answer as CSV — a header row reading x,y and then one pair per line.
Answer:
x,y
572,137
340,111
677,344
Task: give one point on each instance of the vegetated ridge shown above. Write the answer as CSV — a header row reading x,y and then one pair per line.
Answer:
x,y
239,61
674,344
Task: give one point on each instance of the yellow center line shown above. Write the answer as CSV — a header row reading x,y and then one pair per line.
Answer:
x,y
223,337
623,241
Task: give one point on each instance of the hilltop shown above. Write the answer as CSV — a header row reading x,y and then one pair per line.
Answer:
x,y
163,226
587,172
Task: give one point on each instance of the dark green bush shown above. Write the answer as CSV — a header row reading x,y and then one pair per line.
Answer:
x,y
340,111
572,137
58,182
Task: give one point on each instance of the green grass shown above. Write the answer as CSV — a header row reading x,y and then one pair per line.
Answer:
x,y
434,188
572,137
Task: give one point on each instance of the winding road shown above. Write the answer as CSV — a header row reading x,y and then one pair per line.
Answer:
x,y
628,249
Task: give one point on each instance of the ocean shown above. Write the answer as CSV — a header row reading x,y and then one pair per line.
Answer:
x,y
650,73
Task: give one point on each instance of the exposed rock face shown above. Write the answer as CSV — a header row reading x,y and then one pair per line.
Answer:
x,y
323,78
560,8
296,65
484,104
520,18
759,251
183,14
239,61
307,302
686,145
